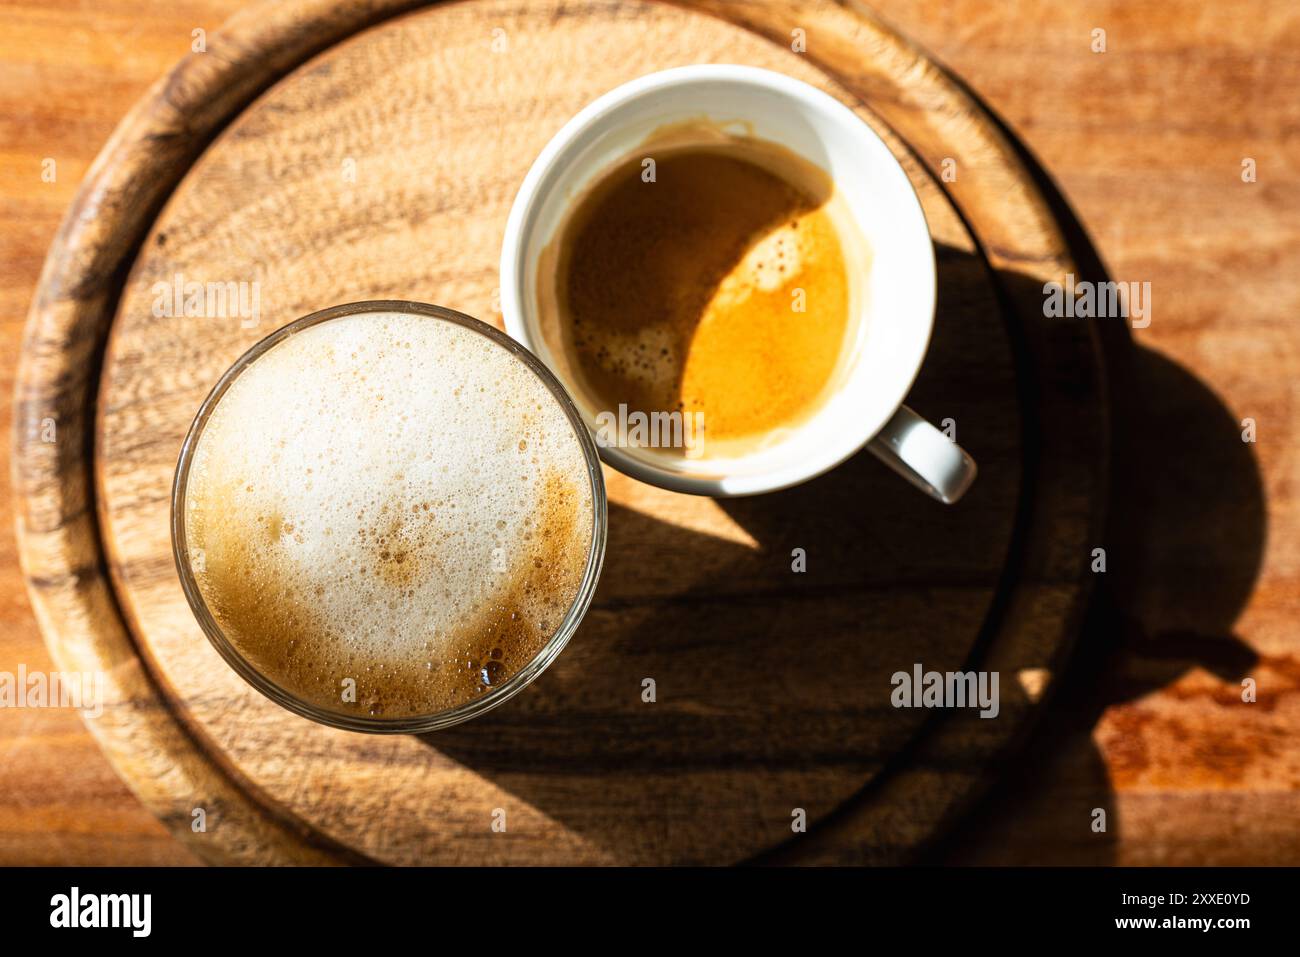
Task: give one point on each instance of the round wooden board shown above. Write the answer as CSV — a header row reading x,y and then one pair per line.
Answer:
x,y
381,163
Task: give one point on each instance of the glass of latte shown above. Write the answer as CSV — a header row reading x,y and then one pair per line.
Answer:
x,y
388,517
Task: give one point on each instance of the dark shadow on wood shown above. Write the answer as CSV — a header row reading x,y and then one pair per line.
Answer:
x,y
773,687
1184,542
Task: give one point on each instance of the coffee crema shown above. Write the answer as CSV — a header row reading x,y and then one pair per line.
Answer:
x,y
390,503
720,284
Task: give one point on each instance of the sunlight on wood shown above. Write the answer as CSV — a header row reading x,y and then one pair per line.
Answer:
x,y
695,513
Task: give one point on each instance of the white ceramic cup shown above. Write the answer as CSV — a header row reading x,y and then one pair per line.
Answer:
x,y
892,334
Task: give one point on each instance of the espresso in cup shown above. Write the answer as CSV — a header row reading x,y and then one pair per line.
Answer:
x,y
711,275
389,514
733,242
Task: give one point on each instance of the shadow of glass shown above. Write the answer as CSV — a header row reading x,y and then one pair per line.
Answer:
x,y
772,687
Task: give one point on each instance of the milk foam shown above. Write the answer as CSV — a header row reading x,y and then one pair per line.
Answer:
x,y
393,499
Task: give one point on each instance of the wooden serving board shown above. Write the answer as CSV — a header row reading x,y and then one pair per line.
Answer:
x,y
371,151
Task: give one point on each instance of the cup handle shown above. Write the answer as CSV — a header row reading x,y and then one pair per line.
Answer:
x,y
924,456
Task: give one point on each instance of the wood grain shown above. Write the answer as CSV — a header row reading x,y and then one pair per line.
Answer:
x,y
1147,141
776,698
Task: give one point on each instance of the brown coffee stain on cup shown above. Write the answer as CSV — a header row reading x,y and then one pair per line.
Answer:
x,y
721,285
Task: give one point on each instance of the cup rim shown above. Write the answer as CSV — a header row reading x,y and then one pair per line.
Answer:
x,y
412,724
513,269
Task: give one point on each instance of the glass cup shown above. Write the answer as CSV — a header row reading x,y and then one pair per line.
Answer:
x,y
374,724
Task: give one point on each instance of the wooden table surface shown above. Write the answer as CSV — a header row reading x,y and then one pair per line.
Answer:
x,y
1146,142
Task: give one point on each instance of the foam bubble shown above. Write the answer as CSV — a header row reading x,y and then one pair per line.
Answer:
x,y
393,499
